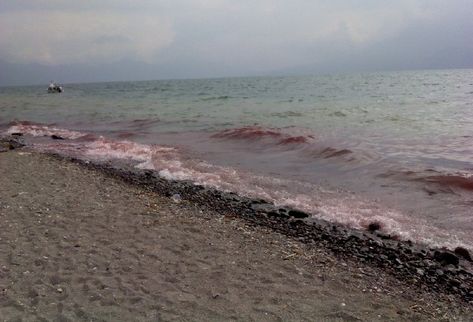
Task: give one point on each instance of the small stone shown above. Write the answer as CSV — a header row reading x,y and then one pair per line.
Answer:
x,y
383,257
446,257
60,290
374,226
276,214
11,143
56,137
450,268
176,198
298,214
463,252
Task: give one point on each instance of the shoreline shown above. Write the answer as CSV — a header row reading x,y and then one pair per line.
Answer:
x,y
438,269
370,264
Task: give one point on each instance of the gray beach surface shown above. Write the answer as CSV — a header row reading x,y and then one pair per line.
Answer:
x,y
78,245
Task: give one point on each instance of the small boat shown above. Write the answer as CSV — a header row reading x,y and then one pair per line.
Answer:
x,y
55,88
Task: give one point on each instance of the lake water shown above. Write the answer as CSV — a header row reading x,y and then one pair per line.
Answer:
x,y
393,147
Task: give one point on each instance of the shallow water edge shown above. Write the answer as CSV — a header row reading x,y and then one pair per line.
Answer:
x,y
435,269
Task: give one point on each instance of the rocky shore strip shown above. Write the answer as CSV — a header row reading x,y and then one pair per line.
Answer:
x,y
433,269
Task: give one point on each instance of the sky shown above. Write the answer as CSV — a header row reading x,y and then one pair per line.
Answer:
x,y
87,40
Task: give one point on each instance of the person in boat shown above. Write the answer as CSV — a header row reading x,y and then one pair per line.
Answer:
x,y
54,88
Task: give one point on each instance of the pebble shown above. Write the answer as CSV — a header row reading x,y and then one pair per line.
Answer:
x,y
176,198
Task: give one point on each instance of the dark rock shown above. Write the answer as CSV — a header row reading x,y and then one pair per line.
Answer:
x,y
383,236
446,257
17,134
374,226
383,257
276,214
258,201
397,261
450,268
56,137
463,252
297,214
11,143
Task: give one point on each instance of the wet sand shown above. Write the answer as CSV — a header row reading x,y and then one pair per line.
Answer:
x,y
76,244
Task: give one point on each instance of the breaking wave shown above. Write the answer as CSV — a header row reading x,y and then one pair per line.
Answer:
x,y
257,133
36,129
290,138
435,181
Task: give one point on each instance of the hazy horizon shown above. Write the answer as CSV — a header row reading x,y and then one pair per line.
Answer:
x,y
335,73
124,40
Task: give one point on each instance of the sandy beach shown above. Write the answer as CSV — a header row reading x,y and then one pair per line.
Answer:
x,y
79,245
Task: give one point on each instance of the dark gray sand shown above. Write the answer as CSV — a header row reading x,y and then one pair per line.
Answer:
x,y
77,245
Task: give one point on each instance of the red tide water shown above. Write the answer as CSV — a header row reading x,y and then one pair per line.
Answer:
x,y
275,136
332,205
454,181
332,152
248,133
294,140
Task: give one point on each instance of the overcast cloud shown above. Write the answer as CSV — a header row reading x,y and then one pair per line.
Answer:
x,y
127,39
